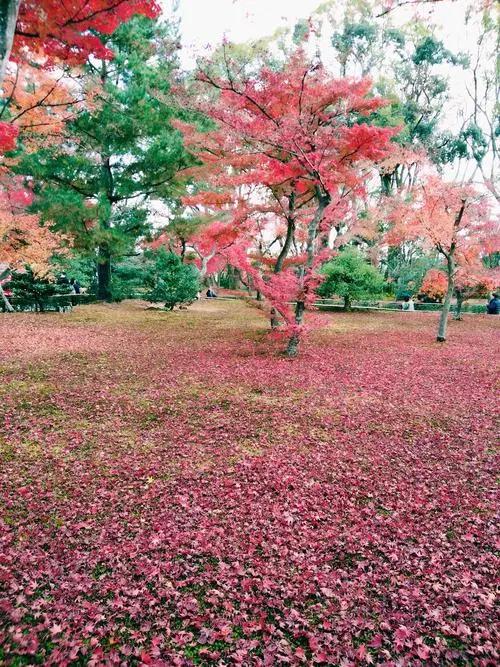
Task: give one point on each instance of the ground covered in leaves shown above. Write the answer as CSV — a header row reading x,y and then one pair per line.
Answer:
x,y
174,492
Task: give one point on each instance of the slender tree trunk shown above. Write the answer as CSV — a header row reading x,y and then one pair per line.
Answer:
x,y
274,319
6,303
450,271
290,230
458,309
292,349
104,274
443,319
323,200
347,303
9,10
237,278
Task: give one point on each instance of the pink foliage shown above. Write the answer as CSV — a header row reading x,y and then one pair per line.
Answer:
x,y
450,218
291,159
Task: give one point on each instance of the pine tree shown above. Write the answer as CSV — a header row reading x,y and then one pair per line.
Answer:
x,y
119,153
173,281
351,277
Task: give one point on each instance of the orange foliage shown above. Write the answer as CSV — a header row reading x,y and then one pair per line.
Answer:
x,y
23,240
39,104
434,284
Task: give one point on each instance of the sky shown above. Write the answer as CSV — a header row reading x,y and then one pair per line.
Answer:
x,y
205,22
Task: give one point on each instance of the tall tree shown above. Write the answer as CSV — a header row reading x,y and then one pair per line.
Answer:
x,y
408,63
481,126
286,168
119,153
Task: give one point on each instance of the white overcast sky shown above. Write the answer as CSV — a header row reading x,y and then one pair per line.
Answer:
x,y
205,22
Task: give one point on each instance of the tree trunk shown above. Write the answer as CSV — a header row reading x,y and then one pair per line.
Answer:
x,y
274,319
238,279
104,274
347,303
460,300
323,200
8,18
290,231
443,319
6,303
292,349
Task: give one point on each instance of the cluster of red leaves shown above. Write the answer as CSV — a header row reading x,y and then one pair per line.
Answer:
x,y
8,136
286,168
174,494
66,30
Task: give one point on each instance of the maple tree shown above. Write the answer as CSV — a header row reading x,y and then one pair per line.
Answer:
x,y
474,281
285,172
45,33
23,240
36,105
434,284
454,220
471,281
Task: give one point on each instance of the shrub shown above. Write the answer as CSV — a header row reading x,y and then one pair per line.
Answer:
x,y
173,281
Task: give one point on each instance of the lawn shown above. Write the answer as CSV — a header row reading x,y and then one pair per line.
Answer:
x,y
175,492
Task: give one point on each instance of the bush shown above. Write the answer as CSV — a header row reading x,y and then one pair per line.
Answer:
x,y
29,291
434,286
130,278
173,281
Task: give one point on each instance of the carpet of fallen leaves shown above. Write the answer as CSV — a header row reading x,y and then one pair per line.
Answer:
x,y
174,492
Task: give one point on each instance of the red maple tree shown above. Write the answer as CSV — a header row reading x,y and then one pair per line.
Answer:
x,y
49,32
64,31
288,168
434,284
